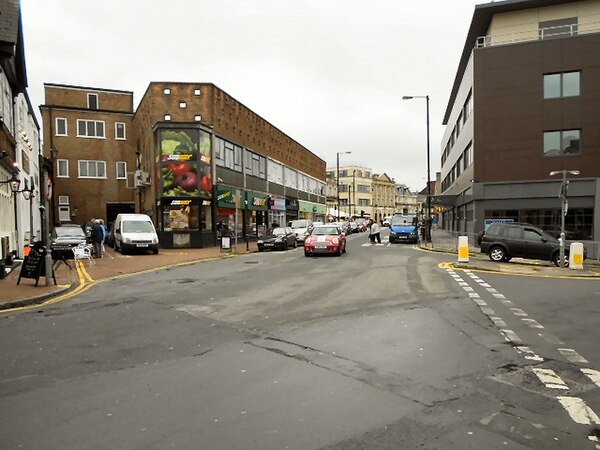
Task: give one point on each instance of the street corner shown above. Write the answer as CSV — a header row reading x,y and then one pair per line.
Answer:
x,y
523,268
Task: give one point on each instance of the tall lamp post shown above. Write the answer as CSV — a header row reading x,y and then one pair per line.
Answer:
x,y
564,207
428,226
53,155
338,182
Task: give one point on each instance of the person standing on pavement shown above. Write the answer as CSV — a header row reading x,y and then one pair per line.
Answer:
x,y
97,236
104,234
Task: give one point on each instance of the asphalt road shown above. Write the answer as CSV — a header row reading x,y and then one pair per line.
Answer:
x,y
378,348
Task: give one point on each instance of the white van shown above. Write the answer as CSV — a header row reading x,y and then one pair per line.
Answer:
x,y
135,231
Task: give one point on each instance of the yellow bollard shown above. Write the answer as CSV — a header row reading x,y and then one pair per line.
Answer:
x,y
463,249
576,256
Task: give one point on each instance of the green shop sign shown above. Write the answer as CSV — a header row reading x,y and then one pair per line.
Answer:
x,y
312,207
257,202
228,197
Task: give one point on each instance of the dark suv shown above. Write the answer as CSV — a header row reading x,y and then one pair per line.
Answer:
x,y
503,241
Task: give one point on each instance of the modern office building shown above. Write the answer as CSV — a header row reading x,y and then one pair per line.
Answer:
x,y
524,104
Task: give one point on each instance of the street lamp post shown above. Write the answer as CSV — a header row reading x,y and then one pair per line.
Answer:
x,y
53,155
14,186
564,207
338,182
428,225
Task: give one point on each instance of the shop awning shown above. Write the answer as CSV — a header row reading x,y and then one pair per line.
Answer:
x,y
334,212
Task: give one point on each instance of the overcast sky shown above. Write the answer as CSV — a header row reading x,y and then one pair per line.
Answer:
x,y
329,73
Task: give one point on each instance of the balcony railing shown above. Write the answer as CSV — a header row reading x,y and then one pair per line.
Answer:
x,y
538,34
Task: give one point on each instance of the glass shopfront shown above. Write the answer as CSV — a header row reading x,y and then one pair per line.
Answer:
x,y
277,211
313,211
229,202
256,214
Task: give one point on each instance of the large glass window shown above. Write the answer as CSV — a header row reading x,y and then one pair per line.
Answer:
x,y
559,85
559,143
92,169
90,128
61,126
62,170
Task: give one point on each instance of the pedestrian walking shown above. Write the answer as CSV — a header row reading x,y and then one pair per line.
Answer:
x,y
104,234
97,236
375,232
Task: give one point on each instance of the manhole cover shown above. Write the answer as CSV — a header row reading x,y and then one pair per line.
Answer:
x,y
250,262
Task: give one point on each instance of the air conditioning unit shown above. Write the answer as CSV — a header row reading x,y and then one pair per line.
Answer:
x,y
146,181
137,179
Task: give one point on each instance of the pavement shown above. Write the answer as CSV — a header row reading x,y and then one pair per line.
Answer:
x,y
78,276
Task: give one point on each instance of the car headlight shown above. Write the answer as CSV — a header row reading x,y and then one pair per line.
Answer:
x,y
127,241
335,241
260,241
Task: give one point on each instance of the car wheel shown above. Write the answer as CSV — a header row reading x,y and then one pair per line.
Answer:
x,y
497,254
344,251
261,250
306,253
392,241
339,251
285,246
556,259
155,251
295,244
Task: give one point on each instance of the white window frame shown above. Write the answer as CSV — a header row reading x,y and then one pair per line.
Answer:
x,y
64,213
87,162
58,171
62,119
91,95
63,199
123,164
124,138
95,122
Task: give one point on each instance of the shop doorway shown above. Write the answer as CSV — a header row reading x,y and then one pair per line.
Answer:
x,y
112,209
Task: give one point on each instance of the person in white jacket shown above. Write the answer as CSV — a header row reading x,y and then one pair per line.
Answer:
x,y
374,232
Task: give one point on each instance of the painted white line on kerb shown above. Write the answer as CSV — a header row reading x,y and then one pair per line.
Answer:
x,y
532,323
593,375
518,312
510,335
550,379
579,411
528,354
498,322
572,355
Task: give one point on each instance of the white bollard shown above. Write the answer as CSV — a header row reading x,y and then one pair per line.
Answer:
x,y
576,256
463,249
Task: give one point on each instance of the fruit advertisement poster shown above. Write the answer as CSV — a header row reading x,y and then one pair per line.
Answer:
x,y
185,146
186,180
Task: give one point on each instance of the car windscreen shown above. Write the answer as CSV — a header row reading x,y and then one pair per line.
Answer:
x,y
279,231
403,221
69,232
299,224
322,231
137,226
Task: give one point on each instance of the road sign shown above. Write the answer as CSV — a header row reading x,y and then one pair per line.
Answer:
x,y
488,222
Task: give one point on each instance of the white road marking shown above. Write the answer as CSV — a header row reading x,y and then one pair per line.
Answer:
x,y
491,290
510,335
551,339
480,302
572,355
533,323
473,295
463,283
550,379
518,312
499,296
579,411
485,285
487,311
498,322
507,302
468,289
593,375
529,354
368,244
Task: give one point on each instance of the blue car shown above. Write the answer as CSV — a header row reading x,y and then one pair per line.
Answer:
x,y
404,229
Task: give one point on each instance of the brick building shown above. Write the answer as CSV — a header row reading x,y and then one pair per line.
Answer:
x,y
197,161
90,130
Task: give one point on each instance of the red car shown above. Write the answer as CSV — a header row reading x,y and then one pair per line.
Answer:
x,y
325,239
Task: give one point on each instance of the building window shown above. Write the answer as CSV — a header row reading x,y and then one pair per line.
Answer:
x,y
61,126
120,131
62,168
256,165
559,85
92,101
92,169
90,128
197,92
167,116
198,118
363,188
559,143
63,199
363,202
121,170
182,104
468,156
167,91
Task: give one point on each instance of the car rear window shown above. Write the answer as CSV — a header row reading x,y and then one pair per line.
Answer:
x,y
513,232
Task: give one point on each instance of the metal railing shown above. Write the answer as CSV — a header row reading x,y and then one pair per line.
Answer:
x,y
538,34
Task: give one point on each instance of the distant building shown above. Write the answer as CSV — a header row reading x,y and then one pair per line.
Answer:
x,y
356,190
383,196
525,103
406,201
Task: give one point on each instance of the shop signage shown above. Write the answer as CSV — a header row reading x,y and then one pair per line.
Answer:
x,y
257,202
278,204
182,157
292,204
312,207
180,202
206,202
227,198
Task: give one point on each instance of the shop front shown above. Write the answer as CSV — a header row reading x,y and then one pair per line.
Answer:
x,y
184,195
277,211
230,211
313,211
256,214
291,206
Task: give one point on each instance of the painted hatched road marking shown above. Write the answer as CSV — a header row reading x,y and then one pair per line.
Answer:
x,y
572,355
550,379
498,322
532,323
593,375
518,312
579,411
529,354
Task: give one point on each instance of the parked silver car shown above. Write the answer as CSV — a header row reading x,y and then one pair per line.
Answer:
x,y
302,228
